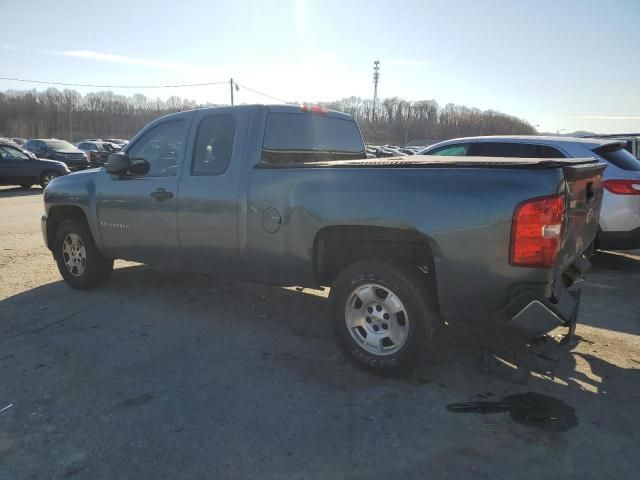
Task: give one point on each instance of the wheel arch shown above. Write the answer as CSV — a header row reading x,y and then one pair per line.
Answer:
x,y
58,214
336,247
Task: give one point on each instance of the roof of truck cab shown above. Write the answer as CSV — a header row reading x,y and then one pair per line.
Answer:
x,y
277,109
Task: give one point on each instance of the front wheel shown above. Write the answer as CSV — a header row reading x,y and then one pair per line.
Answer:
x,y
382,314
79,261
46,178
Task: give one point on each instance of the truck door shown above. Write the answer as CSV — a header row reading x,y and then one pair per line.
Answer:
x,y
208,196
137,214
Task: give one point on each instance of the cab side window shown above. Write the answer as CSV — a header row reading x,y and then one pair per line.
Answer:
x,y
162,147
214,145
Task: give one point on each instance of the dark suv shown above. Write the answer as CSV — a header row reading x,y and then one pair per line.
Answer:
x,y
97,151
60,150
18,167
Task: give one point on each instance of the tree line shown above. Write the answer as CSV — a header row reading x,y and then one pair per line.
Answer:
x,y
400,122
68,114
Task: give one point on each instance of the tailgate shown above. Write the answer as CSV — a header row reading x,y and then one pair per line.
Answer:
x,y
584,199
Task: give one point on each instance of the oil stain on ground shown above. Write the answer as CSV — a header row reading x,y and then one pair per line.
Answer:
x,y
532,409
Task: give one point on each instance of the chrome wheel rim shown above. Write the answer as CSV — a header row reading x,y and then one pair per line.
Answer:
x,y
47,179
74,254
376,319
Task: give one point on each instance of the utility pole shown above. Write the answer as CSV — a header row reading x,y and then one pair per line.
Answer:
x,y
231,85
70,125
376,76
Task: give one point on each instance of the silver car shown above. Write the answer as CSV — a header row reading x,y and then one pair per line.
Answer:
x,y
620,216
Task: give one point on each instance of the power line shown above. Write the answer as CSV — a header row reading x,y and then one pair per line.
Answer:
x,y
260,93
111,86
68,84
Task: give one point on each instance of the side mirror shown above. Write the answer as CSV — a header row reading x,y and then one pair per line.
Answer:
x,y
118,163
139,166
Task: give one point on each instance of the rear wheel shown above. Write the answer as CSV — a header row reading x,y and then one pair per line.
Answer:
x,y
79,261
46,178
382,314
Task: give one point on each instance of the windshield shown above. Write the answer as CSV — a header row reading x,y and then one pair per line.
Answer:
x,y
60,145
8,152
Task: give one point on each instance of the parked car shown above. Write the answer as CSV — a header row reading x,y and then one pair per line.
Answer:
x,y
18,167
285,196
9,141
620,218
117,141
631,140
61,150
98,151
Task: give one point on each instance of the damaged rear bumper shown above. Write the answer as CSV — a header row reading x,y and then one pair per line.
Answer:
x,y
535,313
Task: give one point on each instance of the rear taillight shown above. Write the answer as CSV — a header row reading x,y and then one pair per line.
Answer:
x,y
536,232
623,187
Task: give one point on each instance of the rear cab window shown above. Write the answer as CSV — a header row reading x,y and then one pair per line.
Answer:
x,y
305,137
619,156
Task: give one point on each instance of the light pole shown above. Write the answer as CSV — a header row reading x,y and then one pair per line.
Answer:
x,y
376,77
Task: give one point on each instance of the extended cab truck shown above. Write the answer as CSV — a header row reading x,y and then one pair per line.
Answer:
x,y
284,195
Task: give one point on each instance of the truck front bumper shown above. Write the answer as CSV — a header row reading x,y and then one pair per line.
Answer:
x,y
43,226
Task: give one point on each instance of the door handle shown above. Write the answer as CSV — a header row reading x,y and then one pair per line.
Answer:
x,y
161,194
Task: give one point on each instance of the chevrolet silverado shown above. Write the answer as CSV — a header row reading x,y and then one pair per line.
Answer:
x,y
285,195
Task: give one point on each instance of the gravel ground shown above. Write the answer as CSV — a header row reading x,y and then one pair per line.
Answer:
x,y
166,376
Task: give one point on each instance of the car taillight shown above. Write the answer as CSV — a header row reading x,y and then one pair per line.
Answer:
x,y
623,187
536,232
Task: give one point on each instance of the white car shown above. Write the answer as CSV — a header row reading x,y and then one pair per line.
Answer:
x,y
620,216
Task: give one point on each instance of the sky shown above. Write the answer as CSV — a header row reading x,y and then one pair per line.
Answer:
x,y
562,65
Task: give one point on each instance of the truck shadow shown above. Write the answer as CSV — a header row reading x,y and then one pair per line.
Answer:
x,y
467,361
19,192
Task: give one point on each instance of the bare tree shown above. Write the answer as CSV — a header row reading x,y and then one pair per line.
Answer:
x,y
67,114
400,122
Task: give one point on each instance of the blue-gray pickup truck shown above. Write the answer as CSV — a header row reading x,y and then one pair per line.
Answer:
x,y
285,195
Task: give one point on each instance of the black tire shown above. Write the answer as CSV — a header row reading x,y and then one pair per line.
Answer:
x,y
26,186
46,177
408,284
96,268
